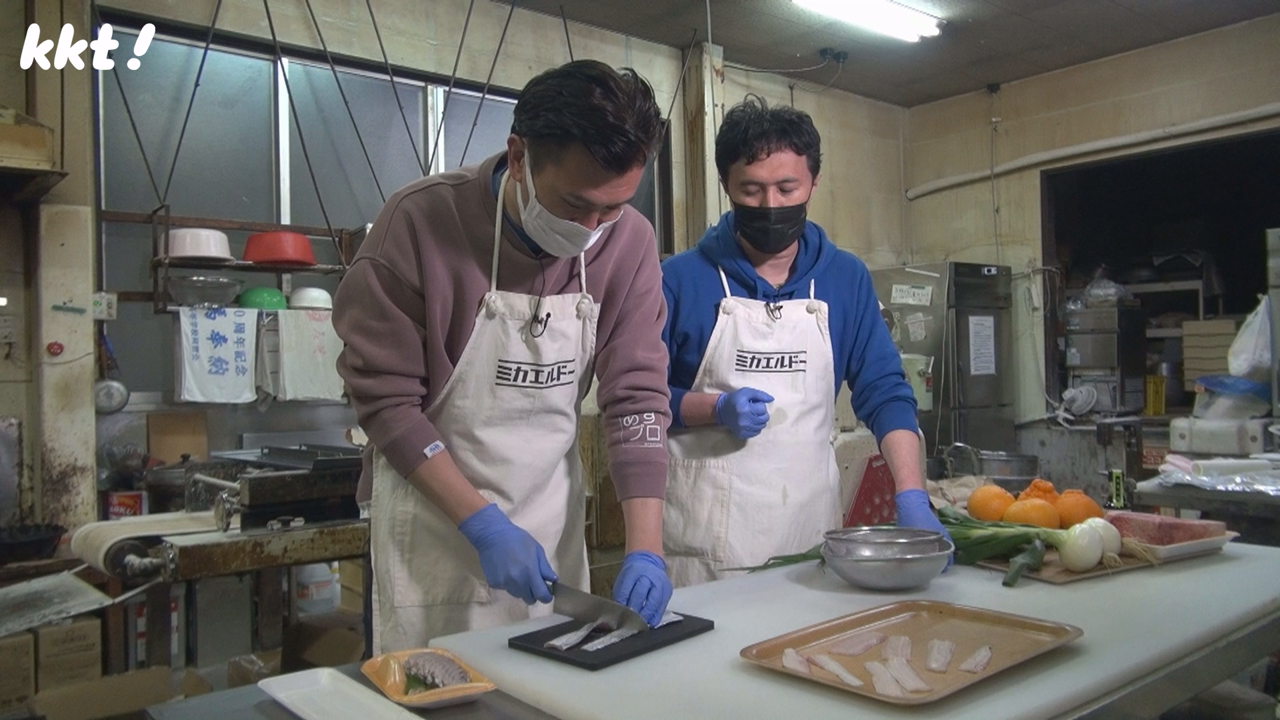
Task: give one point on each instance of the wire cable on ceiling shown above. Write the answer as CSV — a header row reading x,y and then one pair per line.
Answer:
x,y
565,21
347,103
133,124
485,93
688,55
386,62
297,124
208,40
712,88
745,68
448,93
839,67
995,201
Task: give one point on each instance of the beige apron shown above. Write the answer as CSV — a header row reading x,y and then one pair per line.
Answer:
x,y
509,418
733,502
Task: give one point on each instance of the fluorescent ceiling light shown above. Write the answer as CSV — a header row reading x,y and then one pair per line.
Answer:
x,y
882,16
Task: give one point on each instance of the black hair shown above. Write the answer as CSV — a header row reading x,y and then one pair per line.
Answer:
x,y
611,112
752,130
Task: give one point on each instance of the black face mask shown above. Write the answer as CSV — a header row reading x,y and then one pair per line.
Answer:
x,y
770,230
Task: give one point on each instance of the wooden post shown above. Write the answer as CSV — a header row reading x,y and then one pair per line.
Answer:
x,y
703,108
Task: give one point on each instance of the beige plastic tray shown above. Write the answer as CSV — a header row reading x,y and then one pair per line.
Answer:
x,y
1013,639
382,672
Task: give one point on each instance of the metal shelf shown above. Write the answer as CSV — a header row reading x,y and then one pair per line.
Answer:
x,y
1164,332
242,266
1162,287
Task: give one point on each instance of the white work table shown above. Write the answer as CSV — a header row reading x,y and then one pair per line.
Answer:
x,y
1153,637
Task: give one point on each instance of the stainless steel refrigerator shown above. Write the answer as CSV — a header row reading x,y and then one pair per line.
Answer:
x,y
958,317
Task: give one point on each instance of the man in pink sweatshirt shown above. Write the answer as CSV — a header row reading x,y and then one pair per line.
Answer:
x,y
475,316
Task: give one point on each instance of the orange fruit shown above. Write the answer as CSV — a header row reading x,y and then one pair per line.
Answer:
x,y
1040,488
1076,507
989,502
1033,511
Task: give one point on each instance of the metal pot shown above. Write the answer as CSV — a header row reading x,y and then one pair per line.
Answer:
x,y
1011,471
167,485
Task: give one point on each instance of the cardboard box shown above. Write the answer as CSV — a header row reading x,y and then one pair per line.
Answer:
x,y
351,574
194,684
17,671
106,697
351,601
249,669
170,435
1209,341
1209,327
82,635
1205,353
68,669
27,144
327,640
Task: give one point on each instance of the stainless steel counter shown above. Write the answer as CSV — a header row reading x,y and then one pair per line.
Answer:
x,y
251,703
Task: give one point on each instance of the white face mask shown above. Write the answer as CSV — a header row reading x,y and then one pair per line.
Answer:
x,y
560,237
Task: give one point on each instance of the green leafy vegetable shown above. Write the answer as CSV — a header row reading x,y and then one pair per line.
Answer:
x,y
1030,559
813,553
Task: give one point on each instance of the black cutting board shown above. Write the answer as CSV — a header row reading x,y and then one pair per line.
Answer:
x,y
633,646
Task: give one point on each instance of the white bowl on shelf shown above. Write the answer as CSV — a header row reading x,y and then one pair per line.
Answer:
x,y
199,244
311,298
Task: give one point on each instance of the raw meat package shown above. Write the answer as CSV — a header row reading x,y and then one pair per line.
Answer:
x,y
1160,530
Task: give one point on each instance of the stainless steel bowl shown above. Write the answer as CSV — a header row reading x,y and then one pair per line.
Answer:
x,y
887,558
201,291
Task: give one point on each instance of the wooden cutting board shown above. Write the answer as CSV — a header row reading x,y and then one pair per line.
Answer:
x,y
170,435
1053,571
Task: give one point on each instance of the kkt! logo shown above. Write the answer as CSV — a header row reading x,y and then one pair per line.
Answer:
x,y
35,51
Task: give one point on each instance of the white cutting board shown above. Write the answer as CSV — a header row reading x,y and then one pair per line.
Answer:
x,y
326,694
704,677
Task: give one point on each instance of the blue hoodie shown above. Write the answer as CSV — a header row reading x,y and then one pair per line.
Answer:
x,y
864,354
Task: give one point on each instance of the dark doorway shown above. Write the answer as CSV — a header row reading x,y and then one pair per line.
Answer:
x,y
1175,216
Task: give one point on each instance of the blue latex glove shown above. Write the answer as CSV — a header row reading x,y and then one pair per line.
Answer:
x,y
643,585
915,511
744,411
511,559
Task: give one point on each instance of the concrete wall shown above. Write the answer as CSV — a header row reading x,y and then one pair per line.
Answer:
x,y
1224,71
859,196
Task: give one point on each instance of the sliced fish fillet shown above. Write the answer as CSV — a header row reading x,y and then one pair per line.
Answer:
x,y
833,666
569,639
906,675
898,646
940,652
607,640
883,681
858,643
977,662
793,660
668,618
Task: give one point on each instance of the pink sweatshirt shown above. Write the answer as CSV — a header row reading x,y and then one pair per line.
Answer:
x,y
407,306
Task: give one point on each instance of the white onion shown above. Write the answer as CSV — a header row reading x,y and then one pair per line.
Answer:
x,y
1110,535
1082,549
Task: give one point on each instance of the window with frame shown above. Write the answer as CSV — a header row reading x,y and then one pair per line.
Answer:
x,y
241,158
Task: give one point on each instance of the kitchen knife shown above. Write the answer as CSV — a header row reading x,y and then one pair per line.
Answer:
x,y
585,607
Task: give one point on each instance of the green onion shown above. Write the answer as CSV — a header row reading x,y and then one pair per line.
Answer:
x,y
1030,559
813,553
1079,548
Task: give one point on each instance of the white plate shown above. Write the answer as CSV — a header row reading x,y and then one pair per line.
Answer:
x,y
326,694
1177,551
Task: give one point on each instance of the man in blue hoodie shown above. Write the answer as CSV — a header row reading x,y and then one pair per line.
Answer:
x,y
766,317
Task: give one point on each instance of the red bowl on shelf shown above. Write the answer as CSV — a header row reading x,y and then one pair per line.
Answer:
x,y
279,248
